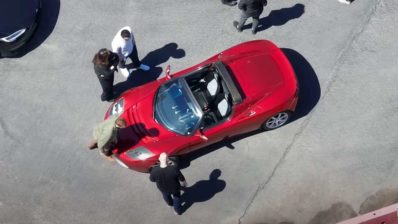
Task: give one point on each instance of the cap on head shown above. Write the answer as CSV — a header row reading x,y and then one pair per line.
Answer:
x,y
125,34
163,160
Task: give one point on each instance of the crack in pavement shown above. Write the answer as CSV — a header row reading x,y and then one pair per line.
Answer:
x,y
7,132
333,74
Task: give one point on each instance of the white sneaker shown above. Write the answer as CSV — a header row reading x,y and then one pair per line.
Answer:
x,y
345,1
144,67
125,72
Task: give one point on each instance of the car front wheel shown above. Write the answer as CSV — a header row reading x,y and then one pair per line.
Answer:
x,y
277,120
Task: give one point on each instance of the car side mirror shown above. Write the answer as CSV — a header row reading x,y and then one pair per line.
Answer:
x,y
168,72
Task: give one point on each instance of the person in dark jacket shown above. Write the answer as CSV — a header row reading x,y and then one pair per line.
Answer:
x,y
167,178
105,63
229,2
250,8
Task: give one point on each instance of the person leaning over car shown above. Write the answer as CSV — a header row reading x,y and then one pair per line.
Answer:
x,y
106,135
167,178
105,63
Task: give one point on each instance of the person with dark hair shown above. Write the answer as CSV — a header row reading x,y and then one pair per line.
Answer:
x,y
123,44
229,2
167,178
105,135
250,8
105,63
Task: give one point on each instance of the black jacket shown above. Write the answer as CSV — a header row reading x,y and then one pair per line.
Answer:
x,y
105,71
167,179
252,8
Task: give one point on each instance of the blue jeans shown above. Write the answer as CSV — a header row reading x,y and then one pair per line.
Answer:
x,y
173,200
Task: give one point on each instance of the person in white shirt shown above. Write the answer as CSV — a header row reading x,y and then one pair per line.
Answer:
x,y
124,45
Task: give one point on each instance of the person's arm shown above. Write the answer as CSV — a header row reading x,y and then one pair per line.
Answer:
x,y
132,38
181,178
151,176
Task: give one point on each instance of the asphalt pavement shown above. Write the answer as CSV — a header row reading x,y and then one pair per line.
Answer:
x,y
336,159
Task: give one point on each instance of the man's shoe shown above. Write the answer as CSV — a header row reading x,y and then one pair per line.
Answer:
x,y
345,1
235,23
144,67
254,32
232,3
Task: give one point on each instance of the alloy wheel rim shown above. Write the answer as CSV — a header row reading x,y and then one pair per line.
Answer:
x,y
277,120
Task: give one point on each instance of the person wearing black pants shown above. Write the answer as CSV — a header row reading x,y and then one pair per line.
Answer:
x,y
250,8
168,178
105,63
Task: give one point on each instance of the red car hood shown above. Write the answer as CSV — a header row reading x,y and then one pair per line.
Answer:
x,y
257,74
142,128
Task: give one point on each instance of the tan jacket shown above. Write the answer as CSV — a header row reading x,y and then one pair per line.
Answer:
x,y
106,133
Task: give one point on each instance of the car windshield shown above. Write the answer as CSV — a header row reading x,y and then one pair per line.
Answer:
x,y
175,109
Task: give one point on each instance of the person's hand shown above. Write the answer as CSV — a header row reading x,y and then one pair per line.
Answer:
x,y
184,183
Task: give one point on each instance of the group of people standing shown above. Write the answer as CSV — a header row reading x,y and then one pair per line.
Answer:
x,y
106,62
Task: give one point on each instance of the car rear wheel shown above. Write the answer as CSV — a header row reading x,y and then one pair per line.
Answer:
x,y
277,120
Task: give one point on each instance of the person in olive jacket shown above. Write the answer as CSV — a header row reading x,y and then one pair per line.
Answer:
x,y
250,8
105,63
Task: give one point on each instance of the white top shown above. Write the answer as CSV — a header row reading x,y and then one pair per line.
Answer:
x,y
122,47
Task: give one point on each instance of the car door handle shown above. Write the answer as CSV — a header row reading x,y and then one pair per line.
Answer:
x,y
251,113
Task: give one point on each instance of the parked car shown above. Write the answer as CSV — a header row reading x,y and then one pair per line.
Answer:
x,y
18,22
246,87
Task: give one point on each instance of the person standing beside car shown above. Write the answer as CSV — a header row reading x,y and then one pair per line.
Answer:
x,y
123,44
105,63
250,8
167,178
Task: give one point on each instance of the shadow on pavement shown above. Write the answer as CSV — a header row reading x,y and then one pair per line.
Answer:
x,y
48,18
202,190
337,212
310,90
153,59
278,17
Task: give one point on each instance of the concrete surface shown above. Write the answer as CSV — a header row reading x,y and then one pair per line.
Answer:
x,y
337,158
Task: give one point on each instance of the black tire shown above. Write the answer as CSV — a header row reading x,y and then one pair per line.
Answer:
x,y
276,121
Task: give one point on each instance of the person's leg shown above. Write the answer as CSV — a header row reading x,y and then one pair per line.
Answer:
x,y
177,203
134,57
255,24
241,23
136,61
167,199
107,88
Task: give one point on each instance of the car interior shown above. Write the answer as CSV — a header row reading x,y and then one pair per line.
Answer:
x,y
212,94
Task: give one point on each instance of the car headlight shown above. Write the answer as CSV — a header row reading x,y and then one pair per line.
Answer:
x,y
13,36
139,153
117,107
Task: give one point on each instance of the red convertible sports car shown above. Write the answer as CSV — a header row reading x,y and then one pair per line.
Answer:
x,y
246,87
